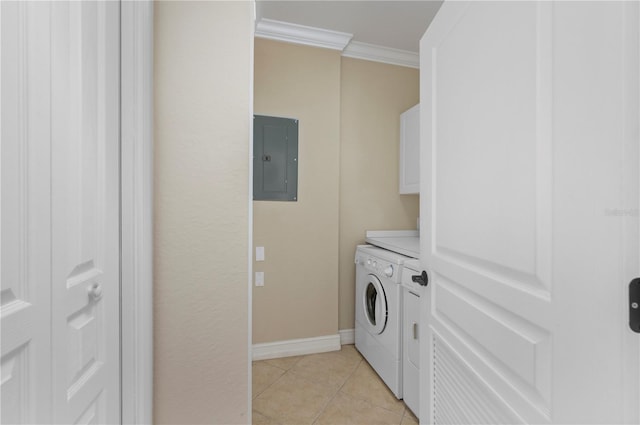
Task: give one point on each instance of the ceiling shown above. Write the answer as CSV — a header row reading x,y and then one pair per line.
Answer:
x,y
396,24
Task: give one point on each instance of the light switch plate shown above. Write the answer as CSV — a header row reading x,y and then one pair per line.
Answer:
x,y
259,253
259,278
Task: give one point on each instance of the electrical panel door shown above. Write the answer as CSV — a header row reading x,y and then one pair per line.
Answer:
x,y
275,158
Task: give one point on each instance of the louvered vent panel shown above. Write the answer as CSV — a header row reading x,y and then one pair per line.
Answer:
x,y
459,397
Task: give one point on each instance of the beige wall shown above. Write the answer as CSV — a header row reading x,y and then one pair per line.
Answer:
x,y
348,182
372,98
300,296
202,119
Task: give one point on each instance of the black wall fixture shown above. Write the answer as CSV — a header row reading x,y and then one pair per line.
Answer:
x,y
634,305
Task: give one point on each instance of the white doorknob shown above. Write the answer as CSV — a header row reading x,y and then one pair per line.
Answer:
x,y
95,291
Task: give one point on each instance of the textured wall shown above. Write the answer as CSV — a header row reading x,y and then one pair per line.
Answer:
x,y
349,112
300,296
202,119
372,98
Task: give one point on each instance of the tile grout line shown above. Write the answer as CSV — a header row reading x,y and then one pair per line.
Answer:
x,y
269,417
404,406
253,397
270,385
332,394
315,419
291,372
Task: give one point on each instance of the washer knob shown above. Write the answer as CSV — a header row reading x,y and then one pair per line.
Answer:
x,y
368,261
375,264
388,271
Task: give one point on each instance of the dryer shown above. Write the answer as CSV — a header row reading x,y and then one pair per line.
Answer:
x,y
378,331
411,293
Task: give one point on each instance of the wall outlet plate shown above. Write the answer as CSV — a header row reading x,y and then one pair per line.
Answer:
x,y
259,279
259,253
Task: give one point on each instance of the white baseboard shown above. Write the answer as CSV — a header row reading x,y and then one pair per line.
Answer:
x,y
347,336
296,347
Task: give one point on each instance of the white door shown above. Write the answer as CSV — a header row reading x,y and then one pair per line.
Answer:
x,y
60,212
529,202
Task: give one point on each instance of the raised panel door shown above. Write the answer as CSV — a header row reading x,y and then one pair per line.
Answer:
x,y
85,212
60,210
529,141
25,263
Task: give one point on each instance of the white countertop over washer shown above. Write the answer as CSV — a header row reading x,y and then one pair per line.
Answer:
x,y
405,242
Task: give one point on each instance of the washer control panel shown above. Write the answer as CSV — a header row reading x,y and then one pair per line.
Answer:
x,y
380,267
374,264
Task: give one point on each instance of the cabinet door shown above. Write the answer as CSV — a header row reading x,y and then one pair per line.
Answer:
x,y
410,151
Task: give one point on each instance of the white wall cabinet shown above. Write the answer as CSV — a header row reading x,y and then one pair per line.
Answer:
x,y
410,151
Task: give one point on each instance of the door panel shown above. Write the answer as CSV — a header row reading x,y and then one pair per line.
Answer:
x,y
85,211
490,184
60,212
25,217
503,195
463,397
523,152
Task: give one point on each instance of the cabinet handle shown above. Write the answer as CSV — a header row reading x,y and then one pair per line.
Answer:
x,y
415,330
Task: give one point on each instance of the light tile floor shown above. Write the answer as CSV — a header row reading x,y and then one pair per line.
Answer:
x,y
336,388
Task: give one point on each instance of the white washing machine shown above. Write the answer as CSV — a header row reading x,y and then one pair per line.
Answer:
x,y
378,328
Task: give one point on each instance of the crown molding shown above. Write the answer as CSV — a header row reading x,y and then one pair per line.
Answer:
x,y
301,34
328,39
375,53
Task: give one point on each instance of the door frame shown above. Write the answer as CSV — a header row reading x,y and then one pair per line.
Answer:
x,y
136,213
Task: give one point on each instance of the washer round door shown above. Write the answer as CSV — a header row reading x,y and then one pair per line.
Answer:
x,y
375,305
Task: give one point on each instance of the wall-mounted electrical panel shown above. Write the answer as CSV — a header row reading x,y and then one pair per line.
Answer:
x,y
275,158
